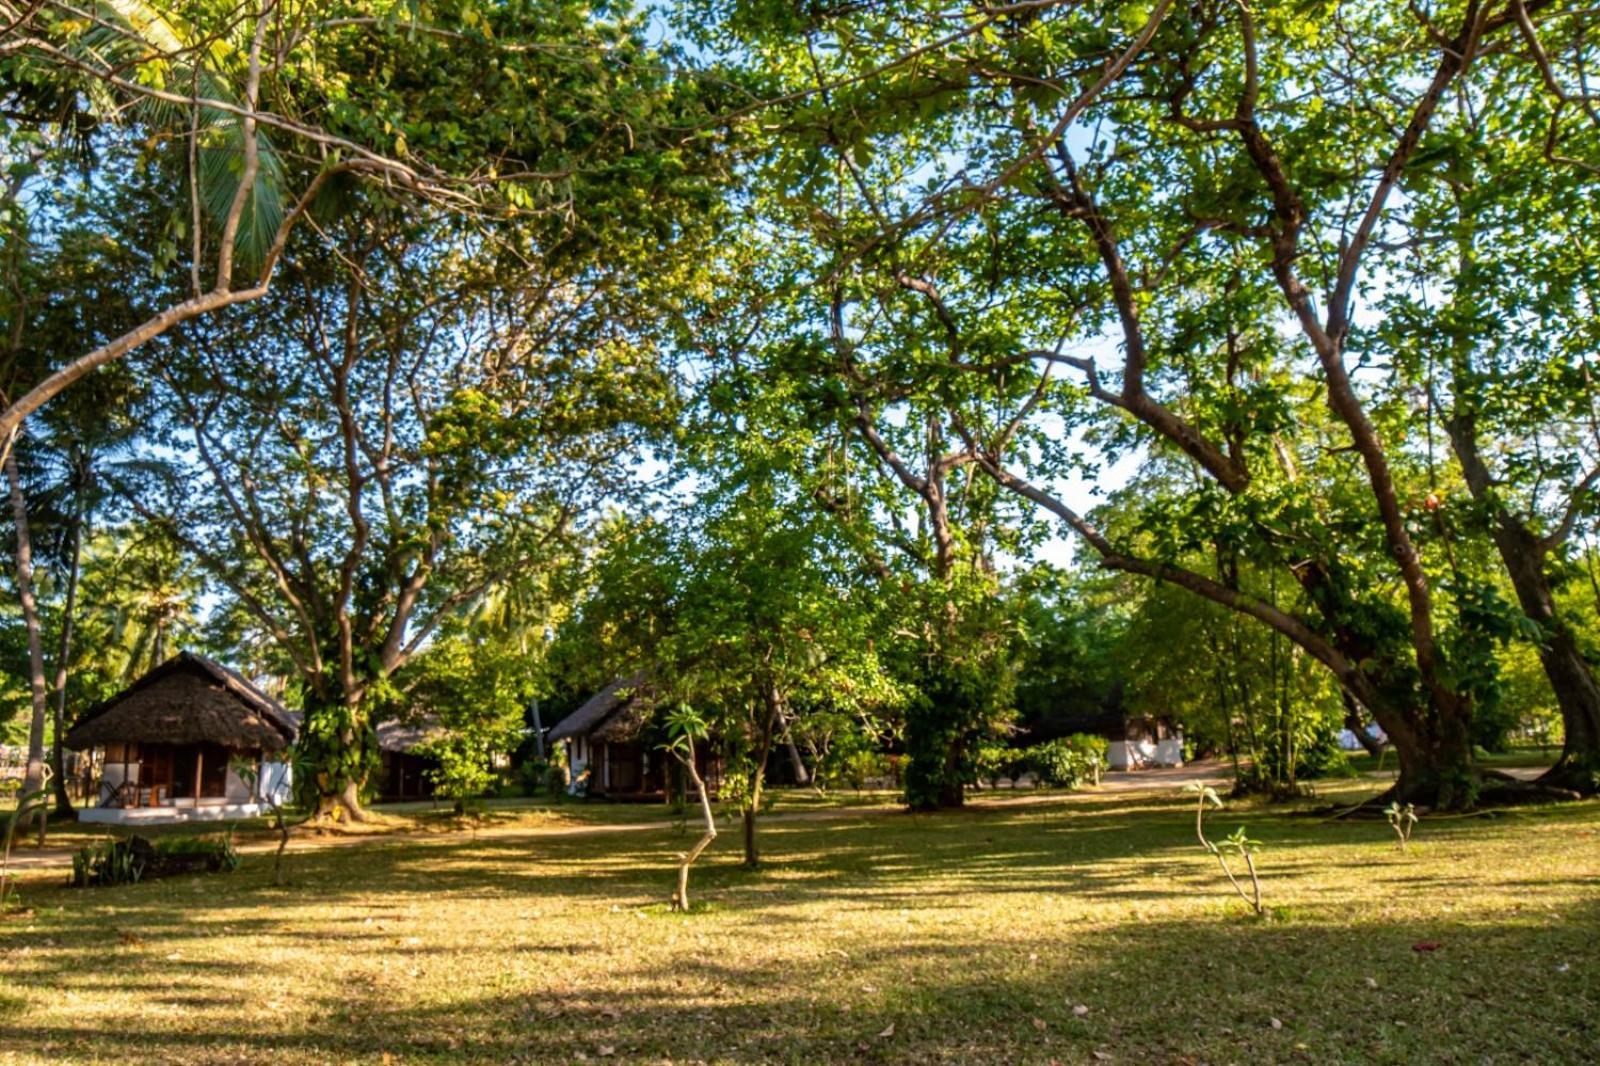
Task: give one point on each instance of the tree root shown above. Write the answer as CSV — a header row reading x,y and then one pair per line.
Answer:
x,y
1572,775
1496,790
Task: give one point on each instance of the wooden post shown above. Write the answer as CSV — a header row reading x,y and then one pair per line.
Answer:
x,y
199,762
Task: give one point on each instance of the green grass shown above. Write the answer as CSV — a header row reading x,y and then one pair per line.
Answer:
x,y
869,937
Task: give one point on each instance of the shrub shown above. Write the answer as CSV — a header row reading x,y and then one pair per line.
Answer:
x,y
114,862
1068,761
994,761
127,862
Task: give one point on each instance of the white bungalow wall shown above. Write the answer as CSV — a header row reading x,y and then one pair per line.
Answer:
x,y
1140,754
277,780
578,752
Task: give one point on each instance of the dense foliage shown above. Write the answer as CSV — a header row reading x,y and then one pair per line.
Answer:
x,y
900,388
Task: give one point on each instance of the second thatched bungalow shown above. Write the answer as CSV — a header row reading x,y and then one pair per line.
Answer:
x,y
613,749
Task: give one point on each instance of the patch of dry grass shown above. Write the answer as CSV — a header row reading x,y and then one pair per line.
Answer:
x,y
1089,928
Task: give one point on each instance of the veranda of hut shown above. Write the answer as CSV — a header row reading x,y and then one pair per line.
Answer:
x,y
170,746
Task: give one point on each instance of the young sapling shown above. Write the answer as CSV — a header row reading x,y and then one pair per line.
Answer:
x,y
1402,819
246,772
684,727
1236,844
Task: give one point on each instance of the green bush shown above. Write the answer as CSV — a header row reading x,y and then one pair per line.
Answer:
x,y
127,862
114,862
994,761
1067,762
1090,744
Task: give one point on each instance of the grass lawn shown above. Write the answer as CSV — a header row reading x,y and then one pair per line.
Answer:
x,y
1075,929
425,816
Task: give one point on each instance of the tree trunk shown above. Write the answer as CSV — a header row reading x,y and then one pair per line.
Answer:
x,y
952,792
752,805
802,776
1433,744
64,655
33,776
752,849
336,752
349,800
1571,678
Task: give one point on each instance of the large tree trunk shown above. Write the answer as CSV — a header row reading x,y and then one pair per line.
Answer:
x,y
33,775
952,791
1571,678
63,658
333,744
1433,744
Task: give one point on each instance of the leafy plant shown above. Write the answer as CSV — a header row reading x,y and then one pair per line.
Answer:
x,y
1235,844
1402,819
111,862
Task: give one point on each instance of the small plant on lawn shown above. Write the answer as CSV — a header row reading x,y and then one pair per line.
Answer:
x,y
111,862
28,805
684,727
1402,819
1235,844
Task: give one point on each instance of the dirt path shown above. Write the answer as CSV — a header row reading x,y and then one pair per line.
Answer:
x,y
1119,782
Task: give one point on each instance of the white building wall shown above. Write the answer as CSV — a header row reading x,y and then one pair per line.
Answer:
x,y
1140,754
577,766
277,781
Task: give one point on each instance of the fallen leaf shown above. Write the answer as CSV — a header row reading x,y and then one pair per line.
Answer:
x,y
1426,945
1039,1023
1275,1023
605,1051
1372,982
1080,1010
887,1033
1102,1056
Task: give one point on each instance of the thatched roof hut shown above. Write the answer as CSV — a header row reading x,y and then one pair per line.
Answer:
x,y
610,750
595,716
187,700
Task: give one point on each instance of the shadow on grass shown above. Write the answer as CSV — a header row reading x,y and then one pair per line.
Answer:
x,y
1203,986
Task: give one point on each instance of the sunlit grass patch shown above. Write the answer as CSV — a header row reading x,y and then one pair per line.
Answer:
x,y
1041,932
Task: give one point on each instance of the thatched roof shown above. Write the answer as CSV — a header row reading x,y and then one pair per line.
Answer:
x,y
593,716
402,737
394,736
187,700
